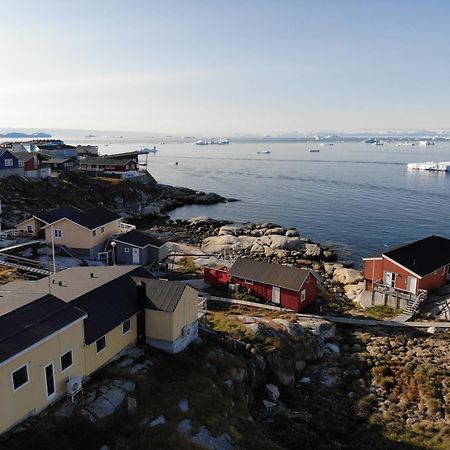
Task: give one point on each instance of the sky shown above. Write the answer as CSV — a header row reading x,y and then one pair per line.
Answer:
x,y
225,67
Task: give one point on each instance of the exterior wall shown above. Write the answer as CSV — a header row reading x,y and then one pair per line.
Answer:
x,y
77,237
434,280
373,268
21,228
164,330
115,343
6,154
146,255
217,277
32,397
9,172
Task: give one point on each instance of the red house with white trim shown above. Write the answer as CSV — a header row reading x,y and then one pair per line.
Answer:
x,y
287,286
414,268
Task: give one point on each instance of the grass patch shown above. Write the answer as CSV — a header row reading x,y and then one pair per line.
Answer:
x,y
381,312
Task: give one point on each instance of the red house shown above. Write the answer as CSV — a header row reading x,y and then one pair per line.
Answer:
x,y
123,168
415,268
287,286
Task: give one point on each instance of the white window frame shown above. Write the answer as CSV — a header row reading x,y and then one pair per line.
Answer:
x,y
248,282
94,233
29,228
126,249
102,229
129,329
57,233
303,295
60,360
24,384
9,162
104,348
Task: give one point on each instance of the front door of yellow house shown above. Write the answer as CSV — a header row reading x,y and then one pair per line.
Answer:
x,y
49,380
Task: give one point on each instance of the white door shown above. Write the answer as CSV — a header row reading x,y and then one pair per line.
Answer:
x,y
49,378
136,259
411,284
275,294
389,279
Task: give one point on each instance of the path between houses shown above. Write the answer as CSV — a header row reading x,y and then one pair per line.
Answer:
x,y
335,319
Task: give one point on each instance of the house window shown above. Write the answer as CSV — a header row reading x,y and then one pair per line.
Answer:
x,y
100,344
94,232
20,377
29,228
9,162
126,250
248,281
66,360
57,233
303,295
102,229
20,163
126,326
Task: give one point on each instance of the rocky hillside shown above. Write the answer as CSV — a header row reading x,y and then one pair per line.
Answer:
x,y
21,197
261,380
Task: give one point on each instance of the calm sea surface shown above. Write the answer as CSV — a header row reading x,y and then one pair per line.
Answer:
x,y
359,197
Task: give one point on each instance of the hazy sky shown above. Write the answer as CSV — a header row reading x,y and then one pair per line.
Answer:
x,y
225,66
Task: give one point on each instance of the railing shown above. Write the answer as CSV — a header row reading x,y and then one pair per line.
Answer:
x,y
29,264
202,308
413,302
124,227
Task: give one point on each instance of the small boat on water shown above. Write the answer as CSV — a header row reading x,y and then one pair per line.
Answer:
x,y
264,152
314,150
431,166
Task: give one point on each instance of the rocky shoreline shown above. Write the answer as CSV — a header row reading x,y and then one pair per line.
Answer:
x,y
266,242
147,200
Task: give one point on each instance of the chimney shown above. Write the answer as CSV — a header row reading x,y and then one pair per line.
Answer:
x,y
141,296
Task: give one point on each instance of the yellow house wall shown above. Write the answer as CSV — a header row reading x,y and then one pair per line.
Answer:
x,y
186,311
76,236
22,227
115,343
32,397
168,326
159,325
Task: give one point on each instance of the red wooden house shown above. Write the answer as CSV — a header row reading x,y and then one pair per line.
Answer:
x,y
123,168
414,268
287,286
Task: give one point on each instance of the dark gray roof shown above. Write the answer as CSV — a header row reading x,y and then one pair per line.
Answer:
x,y
53,215
33,322
139,239
95,217
110,304
161,294
287,277
91,218
422,257
99,160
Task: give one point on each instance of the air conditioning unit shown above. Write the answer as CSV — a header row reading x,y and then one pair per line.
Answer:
x,y
74,384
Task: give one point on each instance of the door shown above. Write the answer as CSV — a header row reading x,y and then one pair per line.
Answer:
x,y
389,279
275,294
411,284
49,376
136,258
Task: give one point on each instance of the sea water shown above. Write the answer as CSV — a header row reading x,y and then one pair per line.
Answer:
x,y
357,197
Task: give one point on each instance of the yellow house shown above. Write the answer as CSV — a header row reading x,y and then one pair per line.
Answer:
x,y
88,316
85,233
171,314
41,346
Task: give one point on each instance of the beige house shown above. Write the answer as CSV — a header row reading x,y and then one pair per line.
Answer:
x,y
85,233
88,317
171,314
